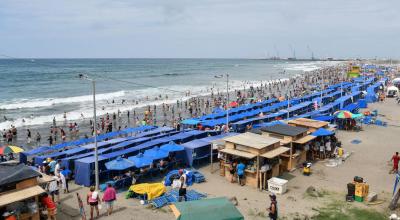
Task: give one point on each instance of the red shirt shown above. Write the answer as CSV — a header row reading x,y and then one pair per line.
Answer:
x,y
46,201
395,159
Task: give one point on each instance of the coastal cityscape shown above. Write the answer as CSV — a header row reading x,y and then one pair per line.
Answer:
x,y
184,130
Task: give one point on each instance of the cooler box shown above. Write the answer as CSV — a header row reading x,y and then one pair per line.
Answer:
x,y
277,185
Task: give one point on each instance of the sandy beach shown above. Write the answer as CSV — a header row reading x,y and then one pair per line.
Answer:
x,y
172,113
369,159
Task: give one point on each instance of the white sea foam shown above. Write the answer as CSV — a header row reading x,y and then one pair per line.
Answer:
x,y
85,108
37,103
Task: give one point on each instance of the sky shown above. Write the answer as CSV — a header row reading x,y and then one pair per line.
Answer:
x,y
199,28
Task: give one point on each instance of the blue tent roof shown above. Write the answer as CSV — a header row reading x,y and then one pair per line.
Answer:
x,y
191,121
268,124
322,132
119,164
140,160
195,144
171,147
324,118
155,153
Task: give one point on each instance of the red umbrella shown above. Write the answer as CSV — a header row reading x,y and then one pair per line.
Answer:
x,y
233,104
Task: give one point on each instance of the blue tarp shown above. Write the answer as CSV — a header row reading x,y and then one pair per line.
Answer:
x,y
57,155
322,132
23,156
268,124
191,121
141,161
196,149
67,162
327,118
171,147
130,143
353,107
155,153
119,164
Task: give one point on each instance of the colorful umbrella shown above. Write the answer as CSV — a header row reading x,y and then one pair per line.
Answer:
x,y
10,149
343,114
356,116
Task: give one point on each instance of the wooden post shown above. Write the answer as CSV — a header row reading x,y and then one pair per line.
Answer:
x,y
258,169
291,155
212,146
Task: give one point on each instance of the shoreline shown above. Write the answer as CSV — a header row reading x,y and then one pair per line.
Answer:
x,y
172,113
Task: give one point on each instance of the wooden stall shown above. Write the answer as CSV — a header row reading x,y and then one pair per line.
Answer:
x,y
20,184
259,153
310,124
295,138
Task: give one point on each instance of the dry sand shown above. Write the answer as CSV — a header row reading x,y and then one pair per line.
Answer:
x,y
369,160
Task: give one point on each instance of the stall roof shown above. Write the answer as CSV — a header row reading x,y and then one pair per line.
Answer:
x,y
305,139
238,153
285,130
12,174
20,195
252,140
308,122
275,152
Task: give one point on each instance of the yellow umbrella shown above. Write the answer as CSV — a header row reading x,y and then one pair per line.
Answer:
x,y
10,149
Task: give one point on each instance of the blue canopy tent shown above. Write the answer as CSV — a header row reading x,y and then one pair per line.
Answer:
x,y
344,101
100,145
25,156
327,118
129,143
67,162
191,122
353,107
58,155
141,161
84,167
322,132
119,164
196,150
155,153
172,147
156,131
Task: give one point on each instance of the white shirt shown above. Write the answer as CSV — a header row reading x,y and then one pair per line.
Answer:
x,y
328,146
53,186
57,170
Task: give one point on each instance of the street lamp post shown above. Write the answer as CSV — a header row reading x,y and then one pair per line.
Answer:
x,y
227,98
96,154
227,102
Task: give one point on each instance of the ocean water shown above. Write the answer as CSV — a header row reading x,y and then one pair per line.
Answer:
x,y
33,92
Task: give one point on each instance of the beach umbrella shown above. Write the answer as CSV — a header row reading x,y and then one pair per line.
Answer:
x,y
10,149
171,147
155,153
119,164
233,104
356,116
343,114
140,160
322,132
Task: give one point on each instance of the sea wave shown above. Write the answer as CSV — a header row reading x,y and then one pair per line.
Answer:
x,y
86,110
38,103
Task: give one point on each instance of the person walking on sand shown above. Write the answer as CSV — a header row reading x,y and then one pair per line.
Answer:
x,y
109,197
93,200
273,208
395,159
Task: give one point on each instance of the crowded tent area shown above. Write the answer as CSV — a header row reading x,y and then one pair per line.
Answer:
x,y
253,143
